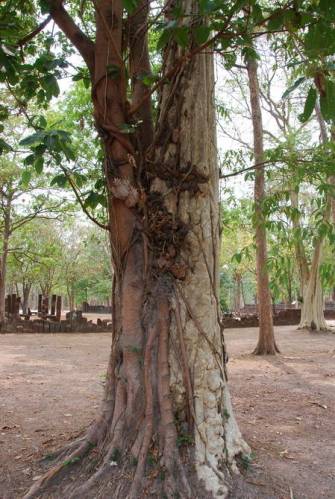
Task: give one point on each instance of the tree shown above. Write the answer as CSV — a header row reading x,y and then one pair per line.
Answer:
x,y
266,340
237,249
312,310
163,221
162,190
19,205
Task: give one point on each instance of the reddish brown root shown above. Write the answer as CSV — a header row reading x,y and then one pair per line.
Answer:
x,y
40,485
123,437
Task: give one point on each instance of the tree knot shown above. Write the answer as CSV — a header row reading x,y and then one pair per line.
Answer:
x,y
122,189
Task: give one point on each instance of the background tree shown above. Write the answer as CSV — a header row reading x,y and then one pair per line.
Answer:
x,y
266,340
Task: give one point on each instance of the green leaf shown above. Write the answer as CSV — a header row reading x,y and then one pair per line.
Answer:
x,y
181,36
4,147
35,138
276,21
293,87
257,14
148,78
327,101
38,164
59,180
44,6
249,54
309,105
29,160
201,34
320,39
50,84
130,5
92,200
237,257
26,176
67,150
42,122
327,7
80,179
164,38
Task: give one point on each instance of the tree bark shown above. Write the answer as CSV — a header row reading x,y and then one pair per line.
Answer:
x,y
312,310
4,255
166,395
238,294
26,287
266,340
300,253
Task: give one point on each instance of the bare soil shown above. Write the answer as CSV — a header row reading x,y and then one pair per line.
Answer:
x,y
51,385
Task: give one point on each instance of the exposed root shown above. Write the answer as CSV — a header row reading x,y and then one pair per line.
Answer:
x,y
266,349
48,477
185,366
313,328
63,451
148,424
171,458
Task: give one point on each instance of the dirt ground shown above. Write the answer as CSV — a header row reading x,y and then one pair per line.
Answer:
x,y
50,388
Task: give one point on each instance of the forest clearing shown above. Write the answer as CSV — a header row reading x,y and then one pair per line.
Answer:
x,y
285,407
167,249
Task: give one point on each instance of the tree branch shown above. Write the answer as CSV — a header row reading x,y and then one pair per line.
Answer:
x,y
64,21
26,39
258,165
80,201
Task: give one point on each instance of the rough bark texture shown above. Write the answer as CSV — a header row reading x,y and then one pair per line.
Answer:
x,y
312,310
166,397
266,340
312,315
186,142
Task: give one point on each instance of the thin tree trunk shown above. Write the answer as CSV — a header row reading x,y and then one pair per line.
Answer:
x,y
25,297
266,340
298,245
3,258
238,294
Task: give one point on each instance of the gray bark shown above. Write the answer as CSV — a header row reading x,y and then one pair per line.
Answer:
x,y
192,147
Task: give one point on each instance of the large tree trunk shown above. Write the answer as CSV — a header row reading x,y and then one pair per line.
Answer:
x,y
266,340
312,314
312,310
166,398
